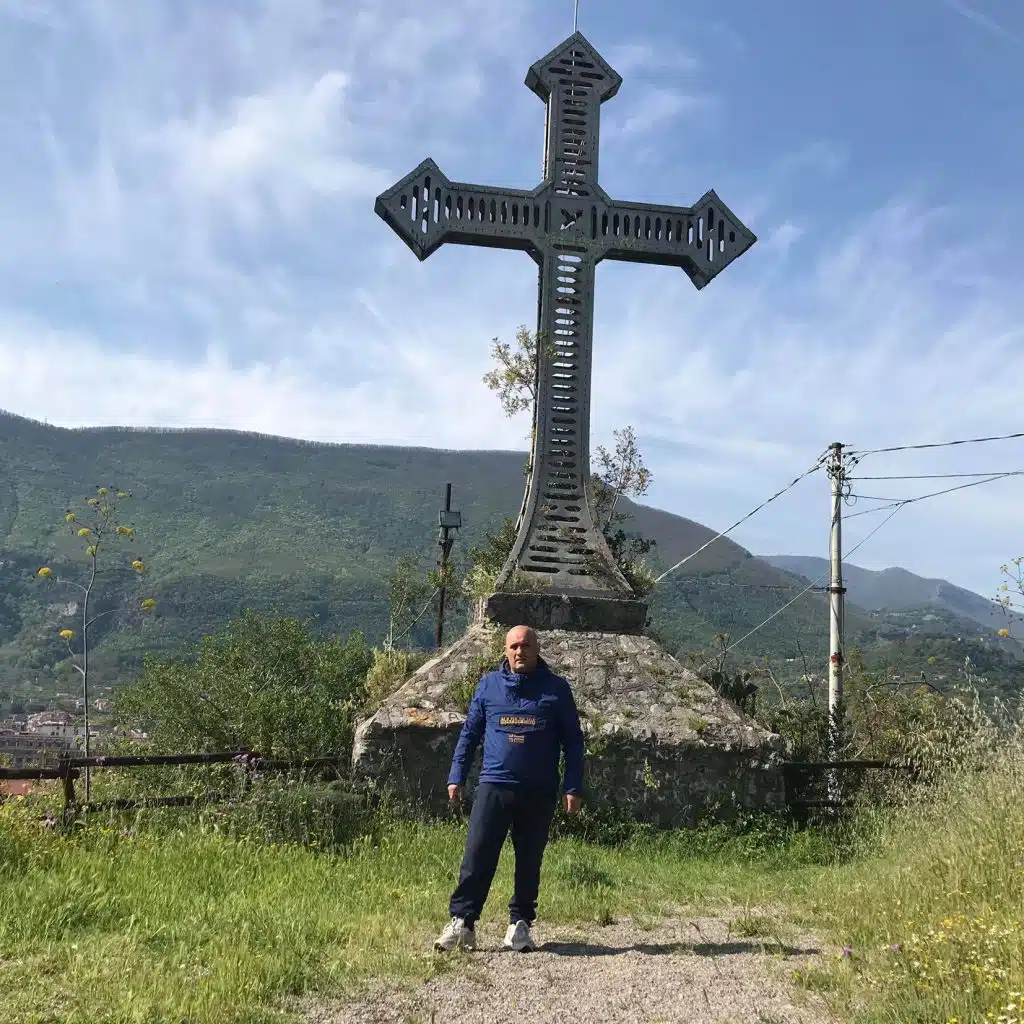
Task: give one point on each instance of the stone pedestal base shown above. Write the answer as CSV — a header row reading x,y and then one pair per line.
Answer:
x,y
662,746
560,611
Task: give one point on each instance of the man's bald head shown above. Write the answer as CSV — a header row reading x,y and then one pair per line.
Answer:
x,y
522,649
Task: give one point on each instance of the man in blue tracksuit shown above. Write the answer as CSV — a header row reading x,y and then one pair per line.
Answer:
x,y
526,716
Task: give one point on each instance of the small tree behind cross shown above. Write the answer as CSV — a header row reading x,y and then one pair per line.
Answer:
x,y
616,474
514,376
97,526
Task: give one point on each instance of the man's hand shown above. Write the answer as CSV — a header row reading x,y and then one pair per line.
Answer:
x,y
572,803
455,794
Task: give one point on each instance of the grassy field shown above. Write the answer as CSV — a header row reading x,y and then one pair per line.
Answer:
x,y
182,924
106,927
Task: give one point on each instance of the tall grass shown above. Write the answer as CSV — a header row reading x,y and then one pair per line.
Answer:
x,y
932,910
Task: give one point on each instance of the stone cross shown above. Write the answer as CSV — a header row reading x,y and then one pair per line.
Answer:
x,y
568,224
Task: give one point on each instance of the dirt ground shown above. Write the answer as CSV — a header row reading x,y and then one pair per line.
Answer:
x,y
692,969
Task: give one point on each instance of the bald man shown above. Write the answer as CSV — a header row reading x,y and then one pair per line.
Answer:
x,y
526,716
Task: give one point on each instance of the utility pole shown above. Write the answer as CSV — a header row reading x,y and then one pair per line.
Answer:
x,y
448,521
836,593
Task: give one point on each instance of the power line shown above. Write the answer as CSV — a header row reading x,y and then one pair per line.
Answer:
x,y
874,531
938,476
778,494
748,586
900,502
938,444
870,497
430,601
806,590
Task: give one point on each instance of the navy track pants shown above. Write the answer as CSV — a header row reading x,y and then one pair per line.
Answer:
x,y
497,810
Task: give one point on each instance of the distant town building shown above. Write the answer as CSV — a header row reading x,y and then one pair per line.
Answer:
x,y
27,749
44,738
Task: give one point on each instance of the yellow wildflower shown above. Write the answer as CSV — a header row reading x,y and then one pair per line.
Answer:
x,y
125,531
70,517
84,531
148,604
67,634
45,572
138,565
1004,632
101,491
91,550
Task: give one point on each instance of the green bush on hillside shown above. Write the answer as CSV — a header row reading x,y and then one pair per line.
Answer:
x,y
262,684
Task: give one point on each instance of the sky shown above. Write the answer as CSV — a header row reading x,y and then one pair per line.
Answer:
x,y
187,238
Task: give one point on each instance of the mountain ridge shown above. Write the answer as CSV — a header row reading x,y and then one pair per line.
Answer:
x,y
897,589
228,520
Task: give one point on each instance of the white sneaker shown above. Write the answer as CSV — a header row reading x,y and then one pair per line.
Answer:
x,y
456,935
518,938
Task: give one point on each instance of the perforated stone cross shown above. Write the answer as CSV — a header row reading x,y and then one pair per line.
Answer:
x,y
568,224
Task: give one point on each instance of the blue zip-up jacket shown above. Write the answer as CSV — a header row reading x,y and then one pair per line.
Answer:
x,y
524,720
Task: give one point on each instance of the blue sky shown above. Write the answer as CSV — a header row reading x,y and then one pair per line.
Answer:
x,y
188,237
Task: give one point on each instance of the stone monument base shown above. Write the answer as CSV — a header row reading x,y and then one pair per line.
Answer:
x,y
578,612
662,746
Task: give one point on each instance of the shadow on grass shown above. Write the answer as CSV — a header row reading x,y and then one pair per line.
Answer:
x,y
661,948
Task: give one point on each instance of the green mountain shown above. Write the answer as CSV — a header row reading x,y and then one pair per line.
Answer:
x,y
228,520
897,590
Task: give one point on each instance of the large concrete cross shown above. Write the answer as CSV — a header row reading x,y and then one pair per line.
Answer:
x,y
568,224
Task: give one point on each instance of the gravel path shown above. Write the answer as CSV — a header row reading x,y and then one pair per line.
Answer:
x,y
692,969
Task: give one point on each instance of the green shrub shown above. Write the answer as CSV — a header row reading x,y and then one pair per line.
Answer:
x,y
262,684
293,810
390,668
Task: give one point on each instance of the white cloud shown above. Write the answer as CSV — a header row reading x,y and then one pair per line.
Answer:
x,y
32,12
985,21
783,237
637,57
289,144
73,380
656,106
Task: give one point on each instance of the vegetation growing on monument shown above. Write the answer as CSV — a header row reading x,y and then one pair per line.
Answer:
x,y
407,586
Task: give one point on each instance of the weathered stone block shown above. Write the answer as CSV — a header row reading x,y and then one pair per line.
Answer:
x,y
581,612
662,745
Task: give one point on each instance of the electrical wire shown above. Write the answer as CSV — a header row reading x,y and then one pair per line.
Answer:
x,y
746,586
869,497
894,507
430,601
899,502
778,494
792,601
937,444
939,476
